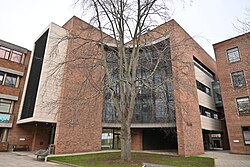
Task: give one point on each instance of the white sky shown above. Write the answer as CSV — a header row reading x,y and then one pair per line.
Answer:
x,y
208,21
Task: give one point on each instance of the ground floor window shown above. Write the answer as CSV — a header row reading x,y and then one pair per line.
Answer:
x,y
246,134
111,139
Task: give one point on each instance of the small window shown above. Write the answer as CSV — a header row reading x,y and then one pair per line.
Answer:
x,y
203,88
243,105
208,114
5,105
246,134
10,80
233,55
215,116
238,79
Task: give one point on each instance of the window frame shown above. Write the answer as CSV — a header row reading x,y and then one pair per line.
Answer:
x,y
228,51
243,112
233,79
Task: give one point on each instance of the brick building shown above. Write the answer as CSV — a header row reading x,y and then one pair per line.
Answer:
x,y
232,58
66,104
14,62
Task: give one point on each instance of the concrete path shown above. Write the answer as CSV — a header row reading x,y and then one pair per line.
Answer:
x,y
225,159
24,159
28,159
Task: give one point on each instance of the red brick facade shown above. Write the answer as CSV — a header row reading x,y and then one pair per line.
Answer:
x,y
234,120
16,132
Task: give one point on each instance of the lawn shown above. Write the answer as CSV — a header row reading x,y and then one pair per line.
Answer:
x,y
112,159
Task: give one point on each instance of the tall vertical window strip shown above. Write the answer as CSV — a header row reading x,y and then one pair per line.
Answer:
x,y
243,105
246,134
238,79
203,88
11,55
233,55
5,106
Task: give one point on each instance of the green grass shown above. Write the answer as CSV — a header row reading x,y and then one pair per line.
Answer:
x,y
113,160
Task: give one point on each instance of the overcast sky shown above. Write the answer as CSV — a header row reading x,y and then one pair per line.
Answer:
x,y
208,21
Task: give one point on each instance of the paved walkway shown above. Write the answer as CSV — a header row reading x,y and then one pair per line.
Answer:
x,y
225,159
28,159
24,159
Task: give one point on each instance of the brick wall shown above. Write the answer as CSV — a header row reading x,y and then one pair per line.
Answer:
x,y
234,121
79,121
136,136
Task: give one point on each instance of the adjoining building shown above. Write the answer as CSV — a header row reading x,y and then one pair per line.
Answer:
x,y
14,62
232,58
70,111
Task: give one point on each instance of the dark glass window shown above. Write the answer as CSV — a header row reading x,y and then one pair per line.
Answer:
x,y
208,112
10,80
233,55
203,88
238,79
243,105
246,134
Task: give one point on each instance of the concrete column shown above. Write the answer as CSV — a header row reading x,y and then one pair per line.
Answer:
x,y
5,135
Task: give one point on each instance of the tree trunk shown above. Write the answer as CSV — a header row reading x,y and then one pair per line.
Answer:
x,y
125,142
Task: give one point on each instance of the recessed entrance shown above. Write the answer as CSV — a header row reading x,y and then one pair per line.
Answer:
x,y
159,139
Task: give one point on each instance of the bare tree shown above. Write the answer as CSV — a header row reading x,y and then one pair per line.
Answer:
x,y
133,76
125,71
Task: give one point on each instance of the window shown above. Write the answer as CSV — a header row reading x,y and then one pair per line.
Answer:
x,y
233,55
11,55
208,114
16,57
1,77
246,134
215,116
4,53
238,79
203,88
243,105
5,105
203,68
10,80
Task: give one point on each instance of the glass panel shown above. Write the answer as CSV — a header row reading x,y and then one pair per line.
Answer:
x,y
107,139
10,80
5,105
16,57
4,118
